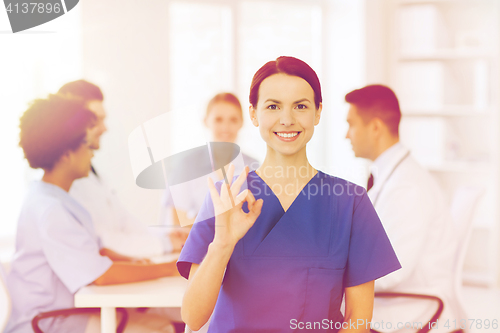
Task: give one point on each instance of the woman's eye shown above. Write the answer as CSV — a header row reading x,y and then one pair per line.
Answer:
x,y
301,106
273,107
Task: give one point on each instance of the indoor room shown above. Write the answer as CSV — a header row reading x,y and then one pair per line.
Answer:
x,y
158,65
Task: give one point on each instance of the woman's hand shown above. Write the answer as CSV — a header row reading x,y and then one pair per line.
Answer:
x,y
115,256
231,222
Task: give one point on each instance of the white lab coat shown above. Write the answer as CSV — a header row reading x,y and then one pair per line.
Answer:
x,y
57,253
116,227
412,210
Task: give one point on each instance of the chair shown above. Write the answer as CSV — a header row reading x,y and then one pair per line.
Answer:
x,y
5,309
462,210
463,207
426,327
74,311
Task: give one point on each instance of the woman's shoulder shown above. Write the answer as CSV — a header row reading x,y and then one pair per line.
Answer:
x,y
337,180
340,187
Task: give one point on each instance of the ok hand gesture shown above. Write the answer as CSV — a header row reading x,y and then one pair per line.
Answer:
x,y
231,222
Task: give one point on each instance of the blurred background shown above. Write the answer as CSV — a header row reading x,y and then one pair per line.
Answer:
x,y
151,57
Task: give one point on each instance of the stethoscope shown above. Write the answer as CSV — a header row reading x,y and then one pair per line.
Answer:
x,y
389,176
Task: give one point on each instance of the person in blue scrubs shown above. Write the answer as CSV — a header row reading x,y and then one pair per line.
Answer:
x,y
57,250
288,242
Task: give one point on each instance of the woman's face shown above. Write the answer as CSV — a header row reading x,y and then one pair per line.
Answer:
x,y
81,158
285,113
224,121
99,128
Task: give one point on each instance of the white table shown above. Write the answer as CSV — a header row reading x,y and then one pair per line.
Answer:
x,y
164,292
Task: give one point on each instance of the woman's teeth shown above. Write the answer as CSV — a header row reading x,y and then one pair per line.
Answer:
x,y
287,135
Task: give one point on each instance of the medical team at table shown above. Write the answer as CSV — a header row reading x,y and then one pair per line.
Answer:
x,y
268,250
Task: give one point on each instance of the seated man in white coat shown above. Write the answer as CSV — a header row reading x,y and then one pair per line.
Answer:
x,y
116,227
410,205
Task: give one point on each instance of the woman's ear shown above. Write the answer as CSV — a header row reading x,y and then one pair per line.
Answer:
x,y
253,116
66,158
317,115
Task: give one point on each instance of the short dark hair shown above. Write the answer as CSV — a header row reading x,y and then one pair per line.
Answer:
x,y
224,97
83,89
377,101
50,127
290,66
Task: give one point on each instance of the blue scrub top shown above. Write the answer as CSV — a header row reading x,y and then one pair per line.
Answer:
x,y
294,265
57,253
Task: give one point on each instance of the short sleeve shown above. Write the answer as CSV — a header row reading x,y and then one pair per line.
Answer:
x,y
71,250
201,235
371,255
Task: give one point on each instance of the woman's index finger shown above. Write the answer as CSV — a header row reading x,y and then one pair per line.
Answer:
x,y
236,186
213,190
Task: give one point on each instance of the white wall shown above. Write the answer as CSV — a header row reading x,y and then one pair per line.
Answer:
x,y
346,71
126,54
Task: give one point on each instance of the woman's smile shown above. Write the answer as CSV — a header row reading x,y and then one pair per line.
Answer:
x,y
288,136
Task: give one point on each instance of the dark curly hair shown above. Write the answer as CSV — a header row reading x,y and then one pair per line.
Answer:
x,y
84,89
50,127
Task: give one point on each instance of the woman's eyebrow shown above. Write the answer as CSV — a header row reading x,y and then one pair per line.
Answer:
x,y
272,100
302,100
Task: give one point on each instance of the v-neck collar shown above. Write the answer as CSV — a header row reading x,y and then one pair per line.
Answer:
x,y
296,197
276,229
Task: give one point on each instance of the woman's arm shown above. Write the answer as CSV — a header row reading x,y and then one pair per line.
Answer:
x,y
358,308
125,272
115,256
231,224
205,281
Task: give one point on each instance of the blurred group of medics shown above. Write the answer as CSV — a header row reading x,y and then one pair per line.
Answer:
x,y
73,230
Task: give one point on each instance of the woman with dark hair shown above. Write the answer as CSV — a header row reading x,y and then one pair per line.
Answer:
x,y
280,255
57,250
224,119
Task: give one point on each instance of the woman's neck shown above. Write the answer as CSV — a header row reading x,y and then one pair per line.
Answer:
x,y
58,178
283,168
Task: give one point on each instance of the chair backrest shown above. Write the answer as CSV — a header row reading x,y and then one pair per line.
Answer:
x,y
5,305
463,206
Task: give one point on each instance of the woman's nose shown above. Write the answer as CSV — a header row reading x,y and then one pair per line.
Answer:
x,y
286,118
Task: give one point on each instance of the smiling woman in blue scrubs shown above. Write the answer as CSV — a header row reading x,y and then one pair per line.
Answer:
x,y
280,255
